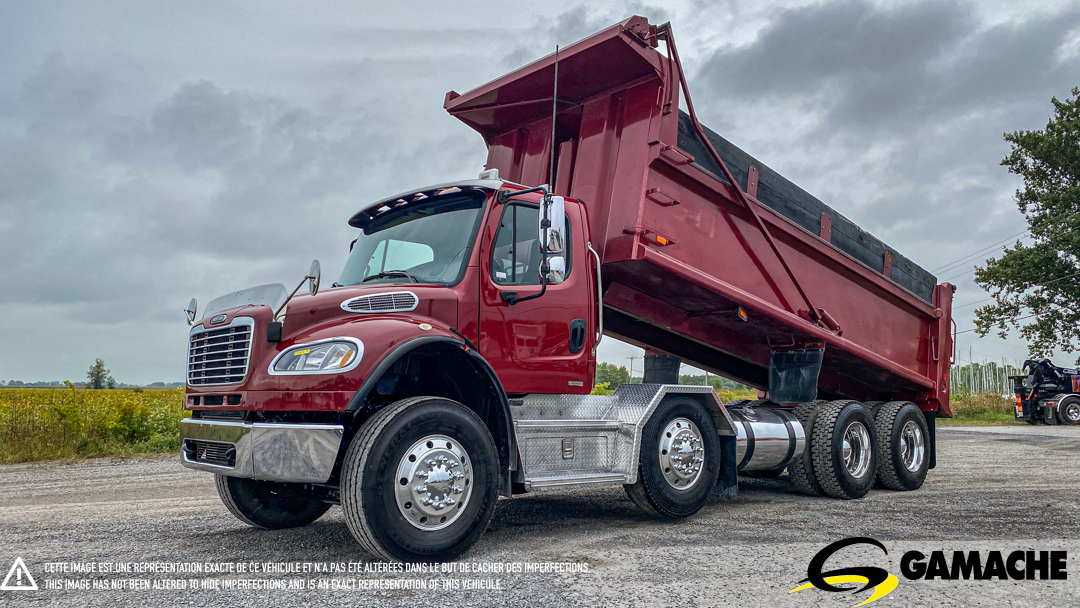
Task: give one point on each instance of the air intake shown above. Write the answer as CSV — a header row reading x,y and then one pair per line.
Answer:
x,y
394,301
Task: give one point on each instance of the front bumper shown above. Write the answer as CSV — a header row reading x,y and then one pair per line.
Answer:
x,y
302,453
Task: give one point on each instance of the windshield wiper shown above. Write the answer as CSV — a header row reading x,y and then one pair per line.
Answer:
x,y
389,274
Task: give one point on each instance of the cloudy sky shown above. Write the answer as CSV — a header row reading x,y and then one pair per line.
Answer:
x,y
151,152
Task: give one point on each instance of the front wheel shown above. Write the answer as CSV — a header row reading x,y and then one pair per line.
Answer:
x,y
679,461
420,481
267,504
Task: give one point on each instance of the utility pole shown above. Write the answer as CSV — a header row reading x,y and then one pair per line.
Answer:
x,y
631,358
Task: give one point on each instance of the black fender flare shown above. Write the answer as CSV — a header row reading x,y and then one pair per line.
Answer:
x,y
508,453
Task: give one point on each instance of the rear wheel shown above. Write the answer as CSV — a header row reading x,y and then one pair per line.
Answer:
x,y
269,504
874,407
903,437
801,467
420,480
679,461
843,448
1068,410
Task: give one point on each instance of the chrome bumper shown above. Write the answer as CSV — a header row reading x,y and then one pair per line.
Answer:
x,y
303,453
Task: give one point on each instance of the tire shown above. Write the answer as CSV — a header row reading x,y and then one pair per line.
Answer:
x,y
874,407
267,504
1068,411
801,467
657,487
838,422
423,438
903,446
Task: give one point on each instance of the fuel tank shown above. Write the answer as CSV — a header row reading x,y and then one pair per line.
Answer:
x,y
767,437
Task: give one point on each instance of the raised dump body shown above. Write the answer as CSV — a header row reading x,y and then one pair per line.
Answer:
x,y
687,268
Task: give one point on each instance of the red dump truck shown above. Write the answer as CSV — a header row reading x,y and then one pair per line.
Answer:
x,y
452,361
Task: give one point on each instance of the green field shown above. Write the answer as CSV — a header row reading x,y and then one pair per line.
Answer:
x,y
51,423
980,410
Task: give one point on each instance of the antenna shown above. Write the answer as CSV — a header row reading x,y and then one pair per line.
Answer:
x,y
554,113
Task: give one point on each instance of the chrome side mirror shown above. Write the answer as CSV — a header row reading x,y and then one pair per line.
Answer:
x,y
314,275
553,237
191,309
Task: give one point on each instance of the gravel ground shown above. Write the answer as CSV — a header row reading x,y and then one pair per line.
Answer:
x,y
750,551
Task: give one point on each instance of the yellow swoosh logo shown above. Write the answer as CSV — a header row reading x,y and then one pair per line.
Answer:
x,y
880,591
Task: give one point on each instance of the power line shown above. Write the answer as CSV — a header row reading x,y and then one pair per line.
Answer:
x,y
1051,282
972,255
960,275
972,303
974,328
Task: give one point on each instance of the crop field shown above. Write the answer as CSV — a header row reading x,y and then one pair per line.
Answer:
x,y
52,423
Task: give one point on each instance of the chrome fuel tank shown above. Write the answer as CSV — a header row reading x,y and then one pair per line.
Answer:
x,y
767,437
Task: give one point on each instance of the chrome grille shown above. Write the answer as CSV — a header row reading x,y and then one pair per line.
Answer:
x,y
211,452
220,355
394,301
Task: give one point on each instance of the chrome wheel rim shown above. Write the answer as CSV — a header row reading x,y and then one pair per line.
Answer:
x,y
434,482
682,454
857,450
912,446
1072,412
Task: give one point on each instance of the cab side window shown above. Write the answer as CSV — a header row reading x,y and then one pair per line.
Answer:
x,y
515,258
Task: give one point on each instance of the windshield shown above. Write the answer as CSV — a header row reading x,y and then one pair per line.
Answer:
x,y
428,241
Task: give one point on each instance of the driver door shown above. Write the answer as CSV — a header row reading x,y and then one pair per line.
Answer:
x,y
542,345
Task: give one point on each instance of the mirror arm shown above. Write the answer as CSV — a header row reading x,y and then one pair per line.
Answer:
x,y
506,195
545,265
543,287
282,307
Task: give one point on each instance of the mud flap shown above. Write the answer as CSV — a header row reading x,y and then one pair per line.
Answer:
x,y
931,425
727,484
793,375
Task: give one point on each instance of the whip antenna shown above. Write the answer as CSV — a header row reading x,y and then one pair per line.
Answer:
x,y
554,112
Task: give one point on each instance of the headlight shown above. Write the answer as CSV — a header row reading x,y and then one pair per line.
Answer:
x,y
322,357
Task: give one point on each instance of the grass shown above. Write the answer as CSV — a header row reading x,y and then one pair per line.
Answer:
x,y
52,423
49,423
980,410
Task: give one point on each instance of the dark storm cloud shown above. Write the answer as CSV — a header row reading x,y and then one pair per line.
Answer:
x,y
138,171
905,108
894,116
888,69
570,26
150,155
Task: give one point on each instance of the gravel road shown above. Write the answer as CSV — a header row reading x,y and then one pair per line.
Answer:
x,y
993,489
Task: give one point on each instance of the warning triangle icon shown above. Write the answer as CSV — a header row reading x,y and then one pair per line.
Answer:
x,y
18,578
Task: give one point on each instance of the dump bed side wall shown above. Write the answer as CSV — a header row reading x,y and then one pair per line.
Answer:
x,y
798,205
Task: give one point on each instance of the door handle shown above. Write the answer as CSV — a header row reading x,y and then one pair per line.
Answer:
x,y
577,335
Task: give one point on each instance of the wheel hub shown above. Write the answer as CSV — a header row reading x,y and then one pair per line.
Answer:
x,y
912,446
682,453
857,449
1072,412
434,482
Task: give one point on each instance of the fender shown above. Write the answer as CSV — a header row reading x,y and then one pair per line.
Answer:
x,y
508,449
